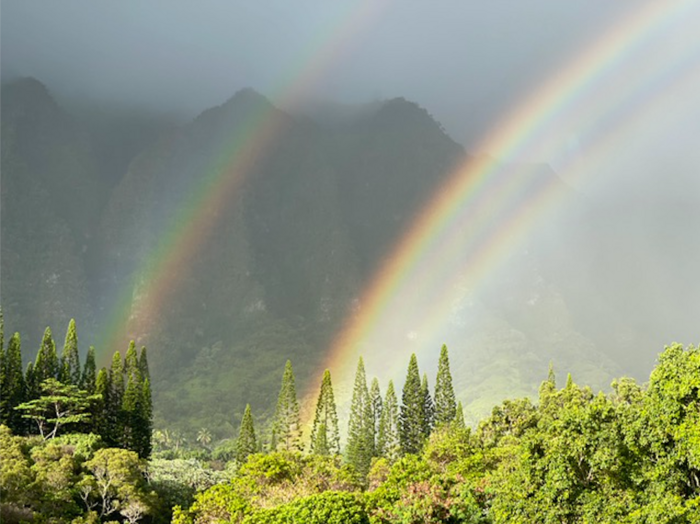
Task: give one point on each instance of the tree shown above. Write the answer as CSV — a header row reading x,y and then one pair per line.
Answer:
x,y
113,403
325,435
99,423
459,417
60,404
30,382
46,364
246,444
143,364
412,414
116,483
360,446
69,372
286,427
388,444
204,437
14,392
375,401
144,444
445,405
87,379
428,407
132,407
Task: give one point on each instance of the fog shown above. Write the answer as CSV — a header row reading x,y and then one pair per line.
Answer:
x,y
619,113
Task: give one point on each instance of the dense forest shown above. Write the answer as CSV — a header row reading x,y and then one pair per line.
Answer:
x,y
77,446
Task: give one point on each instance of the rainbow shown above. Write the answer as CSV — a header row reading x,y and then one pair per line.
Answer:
x,y
137,307
481,215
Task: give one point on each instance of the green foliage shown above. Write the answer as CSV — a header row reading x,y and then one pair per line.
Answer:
x,y
330,507
428,407
377,405
89,376
325,435
70,372
388,443
15,390
246,444
59,405
286,425
360,446
412,414
445,404
46,363
116,484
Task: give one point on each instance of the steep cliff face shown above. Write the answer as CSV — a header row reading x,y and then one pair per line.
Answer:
x,y
51,198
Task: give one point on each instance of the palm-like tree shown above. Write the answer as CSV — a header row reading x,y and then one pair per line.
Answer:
x,y
204,437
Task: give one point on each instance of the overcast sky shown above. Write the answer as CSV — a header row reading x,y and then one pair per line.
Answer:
x,y
470,63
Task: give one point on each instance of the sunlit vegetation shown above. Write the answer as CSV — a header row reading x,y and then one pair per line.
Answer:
x,y
71,452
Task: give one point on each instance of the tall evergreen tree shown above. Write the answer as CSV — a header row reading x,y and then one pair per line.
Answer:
x,y
143,364
411,416
70,359
286,427
113,404
375,401
46,364
145,432
361,425
131,361
246,444
99,423
428,407
459,417
445,404
15,387
388,443
89,376
131,409
30,382
325,436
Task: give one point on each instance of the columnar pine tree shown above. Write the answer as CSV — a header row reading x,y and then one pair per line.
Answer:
x,y
144,444
100,422
70,359
375,401
459,417
445,405
143,364
46,364
31,386
131,403
246,444
113,407
286,426
325,436
15,387
89,376
428,407
411,417
361,425
388,443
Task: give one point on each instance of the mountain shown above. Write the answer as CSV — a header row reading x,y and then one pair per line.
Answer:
x,y
246,236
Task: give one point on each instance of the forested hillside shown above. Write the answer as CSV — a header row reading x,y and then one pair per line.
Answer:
x,y
77,447
89,197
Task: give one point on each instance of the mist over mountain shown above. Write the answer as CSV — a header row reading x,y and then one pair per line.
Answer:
x,y
88,193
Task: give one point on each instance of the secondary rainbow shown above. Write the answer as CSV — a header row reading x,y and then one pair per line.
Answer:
x,y
481,186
